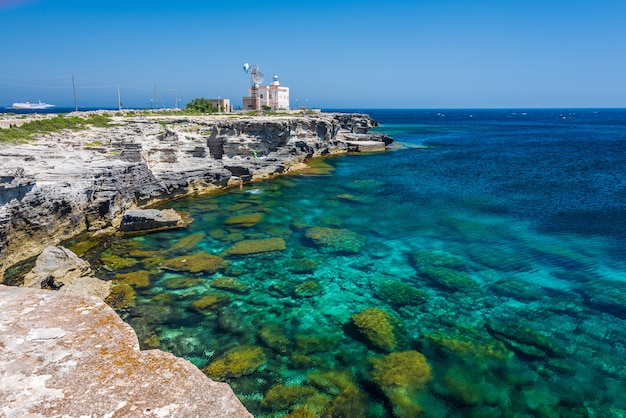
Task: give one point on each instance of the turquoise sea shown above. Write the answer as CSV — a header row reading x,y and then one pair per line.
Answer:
x,y
476,269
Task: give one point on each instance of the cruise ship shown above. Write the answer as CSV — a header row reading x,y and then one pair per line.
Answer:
x,y
29,105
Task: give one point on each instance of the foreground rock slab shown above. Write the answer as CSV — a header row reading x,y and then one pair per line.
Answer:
x,y
72,356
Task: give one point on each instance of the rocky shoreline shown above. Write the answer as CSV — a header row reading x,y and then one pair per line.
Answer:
x,y
87,361
66,183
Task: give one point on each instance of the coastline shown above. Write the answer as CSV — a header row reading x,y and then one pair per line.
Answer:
x,y
65,183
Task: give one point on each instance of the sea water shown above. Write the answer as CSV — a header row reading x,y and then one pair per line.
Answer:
x,y
476,268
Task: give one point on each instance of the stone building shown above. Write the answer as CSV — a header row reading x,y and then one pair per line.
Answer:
x,y
222,105
275,96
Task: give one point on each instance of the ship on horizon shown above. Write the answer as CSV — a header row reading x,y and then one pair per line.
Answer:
x,y
29,105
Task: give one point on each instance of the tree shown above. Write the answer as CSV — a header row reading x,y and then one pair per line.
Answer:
x,y
201,105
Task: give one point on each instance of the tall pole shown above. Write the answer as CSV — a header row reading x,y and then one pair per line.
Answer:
x,y
74,88
175,99
119,99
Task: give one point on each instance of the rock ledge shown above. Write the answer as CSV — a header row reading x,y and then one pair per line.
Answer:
x,y
72,356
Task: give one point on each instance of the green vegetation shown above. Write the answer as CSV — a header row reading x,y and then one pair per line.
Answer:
x,y
201,105
55,124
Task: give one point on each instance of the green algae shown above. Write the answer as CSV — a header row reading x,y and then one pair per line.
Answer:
x,y
136,279
377,327
247,247
239,361
122,296
229,283
336,239
245,220
399,294
195,263
181,282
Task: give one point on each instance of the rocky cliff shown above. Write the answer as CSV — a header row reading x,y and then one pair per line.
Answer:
x,y
65,183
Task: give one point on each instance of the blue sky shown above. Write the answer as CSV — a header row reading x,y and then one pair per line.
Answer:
x,y
339,54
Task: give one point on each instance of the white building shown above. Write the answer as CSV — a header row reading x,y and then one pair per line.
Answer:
x,y
274,96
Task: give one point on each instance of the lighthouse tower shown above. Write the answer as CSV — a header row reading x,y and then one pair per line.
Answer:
x,y
275,96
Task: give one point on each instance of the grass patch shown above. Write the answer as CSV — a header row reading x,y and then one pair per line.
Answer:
x,y
58,123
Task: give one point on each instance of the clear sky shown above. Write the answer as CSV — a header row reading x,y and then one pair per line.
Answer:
x,y
331,54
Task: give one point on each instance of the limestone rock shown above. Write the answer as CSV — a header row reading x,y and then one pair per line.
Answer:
x,y
147,219
87,362
60,269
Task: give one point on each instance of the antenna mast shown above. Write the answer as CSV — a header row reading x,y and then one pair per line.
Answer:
x,y
256,78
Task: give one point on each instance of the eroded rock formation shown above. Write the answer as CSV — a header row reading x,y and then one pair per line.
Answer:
x,y
66,183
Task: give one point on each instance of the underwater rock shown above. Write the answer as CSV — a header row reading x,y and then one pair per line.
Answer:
x,y
230,321
135,220
524,339
377,327
607,296
448,279
400,376
308,344
196,263
229,283
515,288
239,361
437,258
181,283
245,220
273,337
401,369
210,302
82,247
122,296
461,386
136,279
188,242
347,402
307,289
115,262
218,233
247,247
283,397
301,265
300,413
479,347
333,239
399,294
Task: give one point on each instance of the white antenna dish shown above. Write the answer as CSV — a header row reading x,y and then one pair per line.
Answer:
x,y
257,77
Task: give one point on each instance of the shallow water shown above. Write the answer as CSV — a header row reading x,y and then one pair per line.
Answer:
x,y
491,242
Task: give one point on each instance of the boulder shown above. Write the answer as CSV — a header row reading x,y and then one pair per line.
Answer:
x,y
58,268
87,362
146,219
